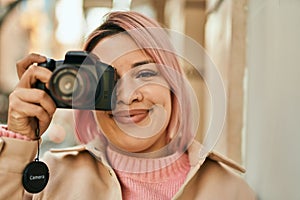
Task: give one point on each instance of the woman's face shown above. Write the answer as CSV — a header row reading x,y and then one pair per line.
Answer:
x,y
143,98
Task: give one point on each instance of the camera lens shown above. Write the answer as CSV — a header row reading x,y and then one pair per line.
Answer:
x,y
67,84
63,83
73,86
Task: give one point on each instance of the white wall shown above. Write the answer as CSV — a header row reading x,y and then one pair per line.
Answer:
x,y
273,101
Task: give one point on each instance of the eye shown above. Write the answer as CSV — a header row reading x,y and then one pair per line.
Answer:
x,y
146,74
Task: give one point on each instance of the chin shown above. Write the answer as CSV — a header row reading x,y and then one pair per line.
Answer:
x,y
133,145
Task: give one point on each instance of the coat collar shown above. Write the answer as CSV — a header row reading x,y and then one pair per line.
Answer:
x,y
196,152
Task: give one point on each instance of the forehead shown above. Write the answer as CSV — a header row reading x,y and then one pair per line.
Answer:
x,y
113,47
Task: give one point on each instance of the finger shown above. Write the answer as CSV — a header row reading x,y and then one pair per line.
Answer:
x,y
23,120
36,96
23,64
32,74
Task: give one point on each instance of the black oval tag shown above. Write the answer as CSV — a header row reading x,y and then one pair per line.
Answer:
x,y
35,177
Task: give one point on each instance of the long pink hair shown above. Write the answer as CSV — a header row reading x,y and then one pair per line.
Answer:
x,y
154,41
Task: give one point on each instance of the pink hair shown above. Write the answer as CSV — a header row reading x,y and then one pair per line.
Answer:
x,y
153,40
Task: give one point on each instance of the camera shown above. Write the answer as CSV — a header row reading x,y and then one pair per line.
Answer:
x,y
80,81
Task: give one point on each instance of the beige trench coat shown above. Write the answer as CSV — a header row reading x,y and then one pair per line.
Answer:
x,y
82,172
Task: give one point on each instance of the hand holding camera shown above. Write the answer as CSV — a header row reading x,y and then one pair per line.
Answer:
x,y
27,105
80,81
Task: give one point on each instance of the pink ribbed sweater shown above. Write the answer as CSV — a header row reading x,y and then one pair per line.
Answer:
x,y
149,178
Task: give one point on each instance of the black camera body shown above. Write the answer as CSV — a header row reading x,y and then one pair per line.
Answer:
x,y
80,81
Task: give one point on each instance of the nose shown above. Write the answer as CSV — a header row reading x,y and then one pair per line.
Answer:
x,y
128,92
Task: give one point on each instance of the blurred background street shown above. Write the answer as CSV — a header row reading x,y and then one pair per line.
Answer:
x,y
254,44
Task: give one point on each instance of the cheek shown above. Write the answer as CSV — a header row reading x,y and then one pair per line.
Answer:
x,y
159,95
99,115
103,120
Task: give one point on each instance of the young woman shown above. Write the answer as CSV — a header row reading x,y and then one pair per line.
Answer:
x,y
142,149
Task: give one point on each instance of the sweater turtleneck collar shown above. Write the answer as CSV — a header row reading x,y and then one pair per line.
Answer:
x,y
174,163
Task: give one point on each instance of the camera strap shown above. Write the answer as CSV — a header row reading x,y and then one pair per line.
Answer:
x,y
36,173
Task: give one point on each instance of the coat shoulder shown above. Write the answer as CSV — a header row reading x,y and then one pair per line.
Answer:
x,y
217,157
73,149
58,156
218,178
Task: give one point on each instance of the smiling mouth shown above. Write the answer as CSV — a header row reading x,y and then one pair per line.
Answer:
x,y
130,116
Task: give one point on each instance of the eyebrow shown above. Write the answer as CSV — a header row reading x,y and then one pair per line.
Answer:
x,y
142,63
